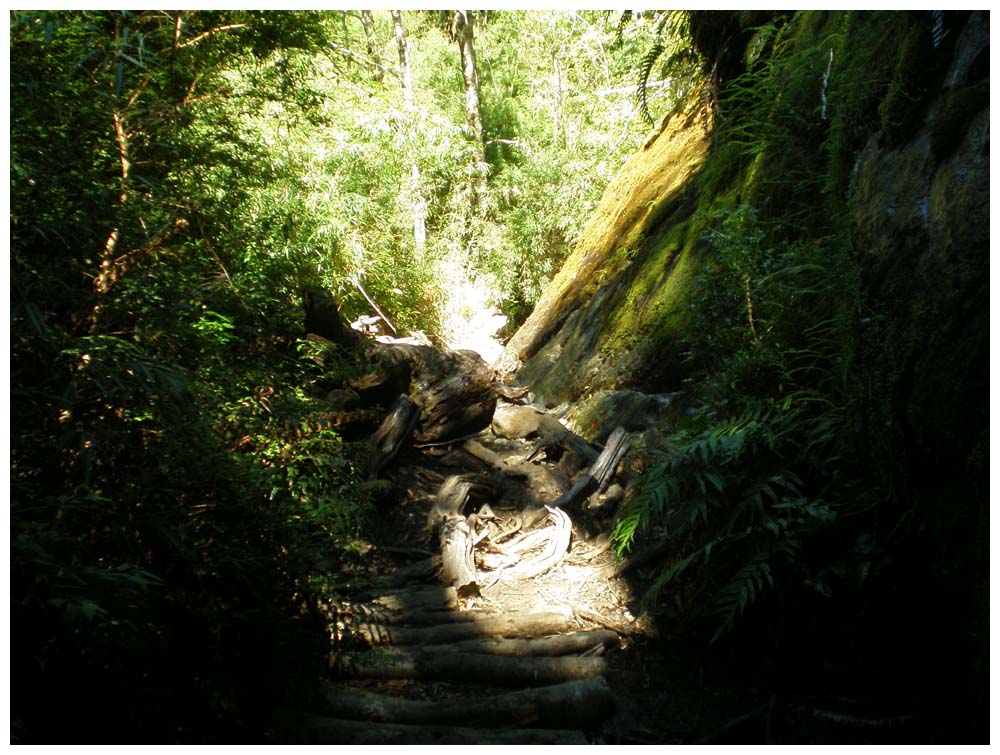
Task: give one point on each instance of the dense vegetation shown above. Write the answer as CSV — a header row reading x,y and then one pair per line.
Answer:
x,y
178,178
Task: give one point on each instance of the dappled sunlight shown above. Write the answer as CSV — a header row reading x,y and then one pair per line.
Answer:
x,y
471,320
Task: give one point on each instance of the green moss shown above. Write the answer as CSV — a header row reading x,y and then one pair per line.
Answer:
x,y
904,101
951,123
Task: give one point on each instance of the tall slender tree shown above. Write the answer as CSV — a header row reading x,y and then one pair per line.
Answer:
x,y
463,28
406,77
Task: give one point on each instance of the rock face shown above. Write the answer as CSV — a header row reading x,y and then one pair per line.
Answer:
x,y
921,221
608,310
917,215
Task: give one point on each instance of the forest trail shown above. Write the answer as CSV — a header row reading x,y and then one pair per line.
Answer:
x,y
496,611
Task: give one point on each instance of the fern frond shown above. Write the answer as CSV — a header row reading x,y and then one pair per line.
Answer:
x,y
645,68
742,590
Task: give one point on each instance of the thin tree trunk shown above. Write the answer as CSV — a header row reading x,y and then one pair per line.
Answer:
x,y
406,76
374,67
465,34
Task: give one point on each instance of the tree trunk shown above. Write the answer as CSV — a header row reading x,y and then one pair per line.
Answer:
x,y
570,705
416,197
465,35
374,67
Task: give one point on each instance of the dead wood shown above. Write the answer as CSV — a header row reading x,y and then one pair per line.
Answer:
x,y
457,565
604,468
485,625
458,402
477,668
450,501
571,705
305,729
557,644
554,551
644,626
393,432
426,599
370,613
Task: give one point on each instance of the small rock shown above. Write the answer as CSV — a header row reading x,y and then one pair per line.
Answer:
x,y
516,421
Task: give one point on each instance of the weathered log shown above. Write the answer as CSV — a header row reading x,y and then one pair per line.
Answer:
x,y
486,625
478,668
426,599
557,644
371,613
450,501
457,565
555,550
604,468
579,704
321,730
393,432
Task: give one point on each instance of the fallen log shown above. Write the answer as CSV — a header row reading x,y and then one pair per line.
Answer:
x,y
571,705
486,625
304,729
455,402
393,432
478,668
426,599
361,613
557,644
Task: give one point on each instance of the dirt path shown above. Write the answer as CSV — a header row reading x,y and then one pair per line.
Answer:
x,y
520,657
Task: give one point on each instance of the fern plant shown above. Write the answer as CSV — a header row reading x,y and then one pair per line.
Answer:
x,y
737,488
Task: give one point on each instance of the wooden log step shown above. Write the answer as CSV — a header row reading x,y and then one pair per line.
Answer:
x,y
362,613
554,645
490,625
473,668
582,704
304,729
425,599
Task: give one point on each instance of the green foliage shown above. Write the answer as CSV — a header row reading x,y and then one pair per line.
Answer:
x,y
739,486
